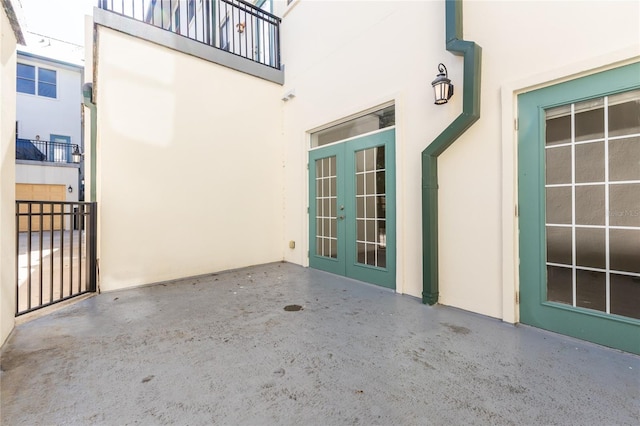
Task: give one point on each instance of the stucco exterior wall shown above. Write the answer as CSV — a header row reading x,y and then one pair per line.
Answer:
x,y
7,176
389,51
38,115
189,165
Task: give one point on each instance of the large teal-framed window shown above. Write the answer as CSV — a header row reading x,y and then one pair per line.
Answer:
x,y
565,287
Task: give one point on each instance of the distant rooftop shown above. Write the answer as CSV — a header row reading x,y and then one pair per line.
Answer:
x,y
49,47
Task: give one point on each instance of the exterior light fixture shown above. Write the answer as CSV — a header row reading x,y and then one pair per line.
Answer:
x,y
75,155
442,87
70,189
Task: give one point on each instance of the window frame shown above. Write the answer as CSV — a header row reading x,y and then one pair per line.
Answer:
x,y
595,326
39,83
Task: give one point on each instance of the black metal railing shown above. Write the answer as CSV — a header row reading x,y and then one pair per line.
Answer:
x,y
37,150
56,248
235,26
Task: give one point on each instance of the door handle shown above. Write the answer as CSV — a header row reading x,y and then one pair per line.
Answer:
x,y
341,217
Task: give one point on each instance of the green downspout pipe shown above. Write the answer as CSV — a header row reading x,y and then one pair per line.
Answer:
x,y
471,53
87,94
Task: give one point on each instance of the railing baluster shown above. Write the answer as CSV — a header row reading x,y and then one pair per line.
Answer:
x,y
17,268
258,24
71,240
29,257
61,250
40,259
51,228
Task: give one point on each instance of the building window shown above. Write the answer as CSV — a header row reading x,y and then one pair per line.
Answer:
x,y
26,79
592,209
45,83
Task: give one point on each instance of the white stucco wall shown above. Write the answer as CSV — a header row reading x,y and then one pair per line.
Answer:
x,y
189,165
38,115
389,51
7,176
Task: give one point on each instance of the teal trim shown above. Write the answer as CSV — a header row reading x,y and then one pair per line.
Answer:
x,y
609,330
66,140
87,96
346,263
472,54
50,61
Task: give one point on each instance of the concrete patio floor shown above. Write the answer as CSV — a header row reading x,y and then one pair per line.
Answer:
x,y
222,350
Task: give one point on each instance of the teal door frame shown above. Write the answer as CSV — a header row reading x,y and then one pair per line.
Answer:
x,y
67,151
606,329
346,261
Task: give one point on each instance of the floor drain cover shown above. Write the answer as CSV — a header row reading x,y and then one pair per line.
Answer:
x,y
292,308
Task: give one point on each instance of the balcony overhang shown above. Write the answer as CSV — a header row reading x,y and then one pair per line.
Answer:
x,y
185,45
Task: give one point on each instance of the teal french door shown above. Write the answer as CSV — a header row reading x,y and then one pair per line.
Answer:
x,y
352,208
579,207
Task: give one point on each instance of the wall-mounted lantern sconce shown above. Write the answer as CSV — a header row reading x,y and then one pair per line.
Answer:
x,y
76,155
442,87
70,189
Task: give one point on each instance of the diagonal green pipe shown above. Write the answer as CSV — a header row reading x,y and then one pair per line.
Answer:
x,y
471,53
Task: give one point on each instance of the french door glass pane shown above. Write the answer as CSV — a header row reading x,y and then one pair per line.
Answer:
x,y
326,199
371,207
592,172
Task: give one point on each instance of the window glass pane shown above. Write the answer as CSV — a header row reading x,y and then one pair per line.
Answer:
x,y
26,71
624,250
624,159
624,113
358,126
558,165
559,245
591,290
46,76
559,205
26,75
26,86
559,285
589,120
590,162
624,204
590,207
625,295
558,126
590,247
46,90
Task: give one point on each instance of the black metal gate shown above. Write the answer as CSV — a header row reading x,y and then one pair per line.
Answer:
x,y
56,248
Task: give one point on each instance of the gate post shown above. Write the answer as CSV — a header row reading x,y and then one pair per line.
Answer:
x,y
92,246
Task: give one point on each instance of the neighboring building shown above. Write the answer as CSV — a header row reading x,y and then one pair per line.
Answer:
x,y
48,128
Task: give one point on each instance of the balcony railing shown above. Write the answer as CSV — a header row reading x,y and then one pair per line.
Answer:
x,y
235,26
53,152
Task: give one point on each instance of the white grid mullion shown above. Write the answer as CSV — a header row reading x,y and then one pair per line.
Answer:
x,y
566,225
588,268
375,210
606,204
322,208
573,205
